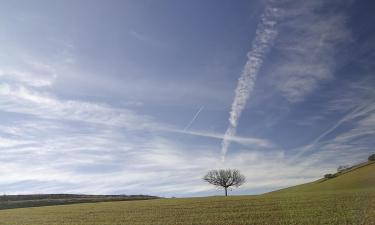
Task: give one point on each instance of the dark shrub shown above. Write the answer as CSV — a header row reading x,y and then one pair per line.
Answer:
x,y
329,176
371,157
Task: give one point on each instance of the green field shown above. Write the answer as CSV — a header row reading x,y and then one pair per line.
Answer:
x,y
346,199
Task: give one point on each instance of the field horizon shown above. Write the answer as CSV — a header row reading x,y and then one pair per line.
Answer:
x,y
348,198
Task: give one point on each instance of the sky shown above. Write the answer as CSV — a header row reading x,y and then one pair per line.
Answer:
x,y
145,97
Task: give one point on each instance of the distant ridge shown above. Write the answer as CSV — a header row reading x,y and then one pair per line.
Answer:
x,y
34,200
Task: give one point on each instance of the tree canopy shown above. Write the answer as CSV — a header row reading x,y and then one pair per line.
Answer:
x,y
225,178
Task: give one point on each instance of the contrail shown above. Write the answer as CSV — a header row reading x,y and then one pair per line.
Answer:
x,y
355,113
264,37
194,118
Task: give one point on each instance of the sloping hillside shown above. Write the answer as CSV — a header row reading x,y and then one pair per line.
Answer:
x,y
359,177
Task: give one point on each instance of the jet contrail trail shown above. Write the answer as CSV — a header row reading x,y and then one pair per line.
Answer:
x,y
194,118
264,37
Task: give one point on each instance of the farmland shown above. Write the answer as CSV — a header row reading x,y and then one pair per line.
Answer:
x,y
346,199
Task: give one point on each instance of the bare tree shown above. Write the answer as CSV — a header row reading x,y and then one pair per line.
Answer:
x,y
225,178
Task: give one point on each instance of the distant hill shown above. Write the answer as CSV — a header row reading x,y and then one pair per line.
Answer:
x,y
22,201
359,177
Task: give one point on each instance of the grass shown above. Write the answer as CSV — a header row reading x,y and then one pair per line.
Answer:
x,y
348,199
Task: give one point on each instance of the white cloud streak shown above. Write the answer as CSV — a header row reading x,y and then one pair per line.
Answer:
x,y
361,110
248,141
21,99
44,78
194,118
353,139
265,35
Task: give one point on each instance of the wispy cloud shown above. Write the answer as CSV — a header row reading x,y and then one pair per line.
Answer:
x,y
21,99
44,78
265,35
349,139
147,39
29,91
307,48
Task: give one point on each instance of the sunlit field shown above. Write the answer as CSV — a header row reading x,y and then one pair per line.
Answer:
x,y
320,208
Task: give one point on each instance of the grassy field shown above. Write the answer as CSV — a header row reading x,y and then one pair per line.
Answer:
x,y
348,199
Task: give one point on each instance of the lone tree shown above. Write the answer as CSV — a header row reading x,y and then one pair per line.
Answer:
x,y
371,157
225,178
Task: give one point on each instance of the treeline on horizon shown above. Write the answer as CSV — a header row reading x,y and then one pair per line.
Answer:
x,y
35,200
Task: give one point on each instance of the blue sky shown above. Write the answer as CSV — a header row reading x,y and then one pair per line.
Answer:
x,y
144,97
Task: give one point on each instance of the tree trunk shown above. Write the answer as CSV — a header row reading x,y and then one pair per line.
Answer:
x,y
226,191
